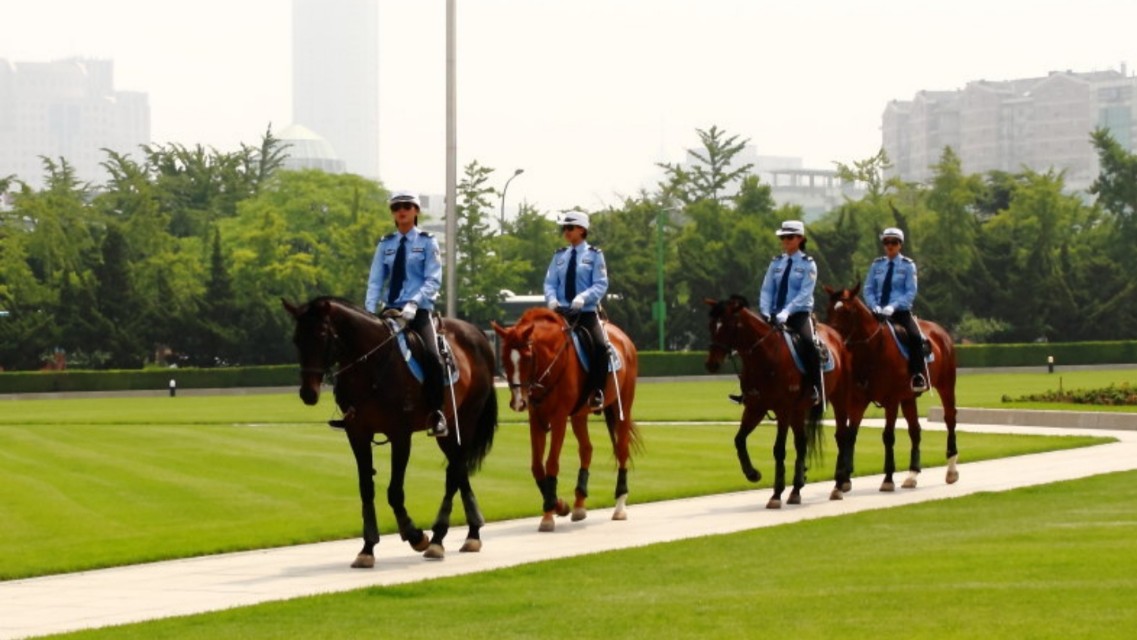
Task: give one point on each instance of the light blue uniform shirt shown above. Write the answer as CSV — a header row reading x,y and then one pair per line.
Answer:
x,y
424,271
591,276
903,293
799,294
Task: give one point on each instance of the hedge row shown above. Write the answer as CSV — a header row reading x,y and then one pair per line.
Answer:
x,y
652,364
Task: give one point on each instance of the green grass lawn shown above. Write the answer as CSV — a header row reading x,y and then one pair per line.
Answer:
x,y
89,483
1054,561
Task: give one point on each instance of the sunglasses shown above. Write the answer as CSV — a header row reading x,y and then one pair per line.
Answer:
x,y
399,206
890,242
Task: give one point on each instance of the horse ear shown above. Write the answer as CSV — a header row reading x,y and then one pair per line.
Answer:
x,y
855,290
828,289
291,308
498,329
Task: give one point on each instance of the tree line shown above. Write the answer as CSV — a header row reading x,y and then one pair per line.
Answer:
x,y
183,254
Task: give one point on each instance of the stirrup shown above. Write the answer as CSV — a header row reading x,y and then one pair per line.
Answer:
x,y
596,403
919,384
340,425
436,425
736,398
815,396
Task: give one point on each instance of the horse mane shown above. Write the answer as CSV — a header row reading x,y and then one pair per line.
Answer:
x,y
718,309
535,314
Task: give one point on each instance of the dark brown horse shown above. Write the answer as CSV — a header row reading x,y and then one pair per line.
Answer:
x,y
546,377
378,394
880,375
771,382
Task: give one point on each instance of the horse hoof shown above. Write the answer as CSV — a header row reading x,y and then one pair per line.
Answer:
x,y
620,515
846,487
754,475
887,487
579,513
363,561
795,498
547,524
774,503
952,476
562,508
836,495
909,483
471,545
422,544
434,552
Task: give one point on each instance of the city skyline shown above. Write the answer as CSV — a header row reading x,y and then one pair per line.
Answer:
x,y
585,96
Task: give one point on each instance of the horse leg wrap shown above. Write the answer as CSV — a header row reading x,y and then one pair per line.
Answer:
x,y
548,487
621,483
582,483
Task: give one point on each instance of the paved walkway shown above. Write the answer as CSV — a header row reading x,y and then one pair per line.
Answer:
x,y
91,599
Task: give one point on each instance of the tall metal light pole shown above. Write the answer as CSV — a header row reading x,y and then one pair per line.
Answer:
x,y
451,166
501,219
659,310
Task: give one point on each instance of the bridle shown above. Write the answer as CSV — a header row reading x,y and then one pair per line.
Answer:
x,y
535,379
737,321
331,342
849,342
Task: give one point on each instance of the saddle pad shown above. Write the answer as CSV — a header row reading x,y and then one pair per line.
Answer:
x,y
416,367
615,362
827,363
930,357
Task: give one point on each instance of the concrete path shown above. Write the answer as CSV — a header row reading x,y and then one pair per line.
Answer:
x,y
92,599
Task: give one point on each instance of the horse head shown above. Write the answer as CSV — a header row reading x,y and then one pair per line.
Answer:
x,y
315,341
847,313
516,356
727,329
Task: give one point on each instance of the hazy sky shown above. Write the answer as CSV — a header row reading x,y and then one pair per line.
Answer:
x,y
585,95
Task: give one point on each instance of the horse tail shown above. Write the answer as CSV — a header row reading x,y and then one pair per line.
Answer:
x,y
814,432
486,427
635,441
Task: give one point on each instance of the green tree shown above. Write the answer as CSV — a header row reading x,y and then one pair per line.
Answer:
x,y
711,171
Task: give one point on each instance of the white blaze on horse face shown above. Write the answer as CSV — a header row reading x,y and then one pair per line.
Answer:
x,y
516,401
838,305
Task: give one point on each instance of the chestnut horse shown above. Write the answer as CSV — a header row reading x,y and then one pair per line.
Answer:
x,y
880,375
378,394
546,377
771,382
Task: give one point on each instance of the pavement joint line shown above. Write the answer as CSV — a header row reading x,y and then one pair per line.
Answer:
x,y
120,595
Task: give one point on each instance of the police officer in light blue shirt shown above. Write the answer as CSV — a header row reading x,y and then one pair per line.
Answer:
x,y
406,274
576,281
787,297
890,291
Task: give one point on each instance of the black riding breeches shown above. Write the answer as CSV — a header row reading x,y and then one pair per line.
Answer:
x,y
800,324
915,344
598,358
431,361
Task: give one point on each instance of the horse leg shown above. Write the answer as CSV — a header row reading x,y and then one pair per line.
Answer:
x,y
912,416
799,461
584,445
779,464
623,444
400,457
546,472
361,449
441,526
751,417
889,440
474,518
946,389
847,447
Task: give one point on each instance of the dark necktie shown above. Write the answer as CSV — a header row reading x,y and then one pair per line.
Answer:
x,y
398,272
570,278
886,290
783,287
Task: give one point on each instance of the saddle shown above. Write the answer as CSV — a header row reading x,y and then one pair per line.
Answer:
x,y
412,350
797,348
900,334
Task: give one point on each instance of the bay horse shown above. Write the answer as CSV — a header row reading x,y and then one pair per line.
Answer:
x,y
771,381
378,394
880,375
546,377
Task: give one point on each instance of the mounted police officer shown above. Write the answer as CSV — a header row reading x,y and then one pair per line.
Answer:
x,y
577,279
406,274
787,298
890,290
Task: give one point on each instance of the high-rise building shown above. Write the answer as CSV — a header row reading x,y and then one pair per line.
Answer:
x,y
1041,123
66,109
335,77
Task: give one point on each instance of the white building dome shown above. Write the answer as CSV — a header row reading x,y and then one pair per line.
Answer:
x,y
308,150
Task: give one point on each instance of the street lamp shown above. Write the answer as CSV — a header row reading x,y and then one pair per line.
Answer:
x,y
501,220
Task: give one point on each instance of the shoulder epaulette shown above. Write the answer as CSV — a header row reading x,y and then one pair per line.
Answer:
x,y
907,259
389,236
881,259
593,248
775,258
808,257
426,234
560,250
